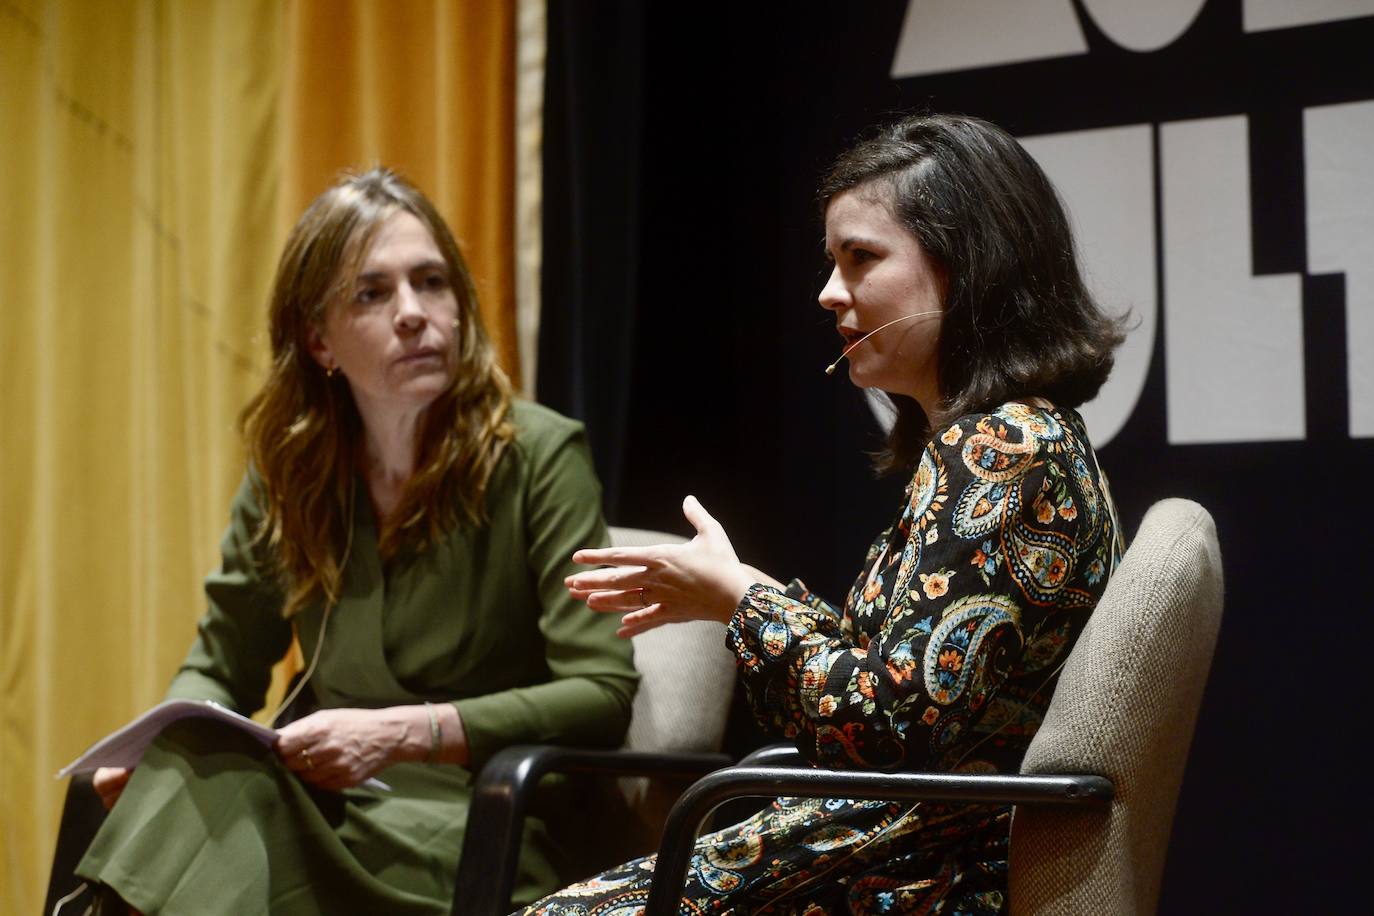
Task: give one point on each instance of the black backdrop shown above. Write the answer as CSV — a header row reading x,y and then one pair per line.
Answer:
x,y
683,144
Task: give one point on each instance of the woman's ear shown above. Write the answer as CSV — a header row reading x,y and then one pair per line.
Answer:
x,y
319,348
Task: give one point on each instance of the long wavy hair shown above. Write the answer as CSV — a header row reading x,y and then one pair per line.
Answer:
x,y
302,429
1019,320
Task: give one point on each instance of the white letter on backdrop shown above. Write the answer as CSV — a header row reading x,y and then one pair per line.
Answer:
x,y
1233,341
1337,140
1140,26
1106,178
943,35
1261,15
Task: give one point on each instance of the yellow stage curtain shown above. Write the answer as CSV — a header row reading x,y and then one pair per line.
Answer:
x,y
154,156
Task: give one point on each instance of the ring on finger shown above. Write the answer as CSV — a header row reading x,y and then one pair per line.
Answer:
x,y
643,598
305,755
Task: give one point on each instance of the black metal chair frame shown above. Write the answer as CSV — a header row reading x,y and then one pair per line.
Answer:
x,y
781,771
505,786
501,797
82,815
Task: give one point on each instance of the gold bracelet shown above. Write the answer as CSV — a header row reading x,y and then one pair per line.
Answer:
x,y
436,734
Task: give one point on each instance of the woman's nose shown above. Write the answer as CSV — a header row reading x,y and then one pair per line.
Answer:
x,y
409,315
834,296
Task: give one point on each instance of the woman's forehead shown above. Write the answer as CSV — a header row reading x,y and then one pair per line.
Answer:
x,y
860,207
395,236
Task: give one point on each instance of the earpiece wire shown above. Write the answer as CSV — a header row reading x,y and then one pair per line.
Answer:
x,y
324,623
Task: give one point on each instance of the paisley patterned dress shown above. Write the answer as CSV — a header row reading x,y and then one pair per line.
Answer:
x,y
944,658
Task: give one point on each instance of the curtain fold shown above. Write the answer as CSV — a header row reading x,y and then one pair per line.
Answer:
x,y
590,265
155,155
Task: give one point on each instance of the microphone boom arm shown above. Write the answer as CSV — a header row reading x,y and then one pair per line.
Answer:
x,y
830,369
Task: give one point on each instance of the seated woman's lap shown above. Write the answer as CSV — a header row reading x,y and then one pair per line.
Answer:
x,y
212,822
820,856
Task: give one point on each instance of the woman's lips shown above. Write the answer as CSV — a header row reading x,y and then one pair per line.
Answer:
x,y
421,354
851,336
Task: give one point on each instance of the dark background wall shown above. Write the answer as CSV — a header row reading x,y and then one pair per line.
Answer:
x,y
684,247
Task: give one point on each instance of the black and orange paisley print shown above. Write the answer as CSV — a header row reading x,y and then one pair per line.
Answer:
x,y
943,658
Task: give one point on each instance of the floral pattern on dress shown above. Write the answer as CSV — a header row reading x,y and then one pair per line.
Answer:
x,y
944,658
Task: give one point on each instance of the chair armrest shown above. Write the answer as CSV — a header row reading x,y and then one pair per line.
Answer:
x,y
501,795
82,815
696,804
775,755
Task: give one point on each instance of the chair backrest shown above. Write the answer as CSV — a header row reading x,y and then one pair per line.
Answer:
x,y
1125,708
687,677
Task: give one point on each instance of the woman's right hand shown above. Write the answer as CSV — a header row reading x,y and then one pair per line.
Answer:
x,y
666,583
109,782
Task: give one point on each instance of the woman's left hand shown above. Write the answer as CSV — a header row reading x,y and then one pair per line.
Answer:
x,y
339,748
666,583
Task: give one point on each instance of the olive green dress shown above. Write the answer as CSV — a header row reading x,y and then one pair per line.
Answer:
x,y
213,823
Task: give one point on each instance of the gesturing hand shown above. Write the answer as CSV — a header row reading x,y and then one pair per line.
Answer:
x,y
666,583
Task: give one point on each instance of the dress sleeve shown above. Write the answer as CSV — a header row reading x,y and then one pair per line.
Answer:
x,y
978,558
797,591
592,676
242,633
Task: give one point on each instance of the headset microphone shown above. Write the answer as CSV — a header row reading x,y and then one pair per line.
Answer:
x,y
830,369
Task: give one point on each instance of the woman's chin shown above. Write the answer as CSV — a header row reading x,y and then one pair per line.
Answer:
x,y
425,386
859,378
416,395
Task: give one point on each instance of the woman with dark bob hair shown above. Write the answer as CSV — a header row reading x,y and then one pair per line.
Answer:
x,y
956,290
412,524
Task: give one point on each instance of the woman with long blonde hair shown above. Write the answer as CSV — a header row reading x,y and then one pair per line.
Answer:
x,y
411,524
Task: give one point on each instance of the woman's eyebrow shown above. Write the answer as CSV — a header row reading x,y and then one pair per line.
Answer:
x,y
845,245
374,275
857,240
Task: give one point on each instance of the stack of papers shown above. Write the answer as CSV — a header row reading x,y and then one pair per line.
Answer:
x,y
124,747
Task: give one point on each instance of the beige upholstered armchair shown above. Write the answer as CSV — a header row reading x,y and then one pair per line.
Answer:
x,y
1096,793
687,678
